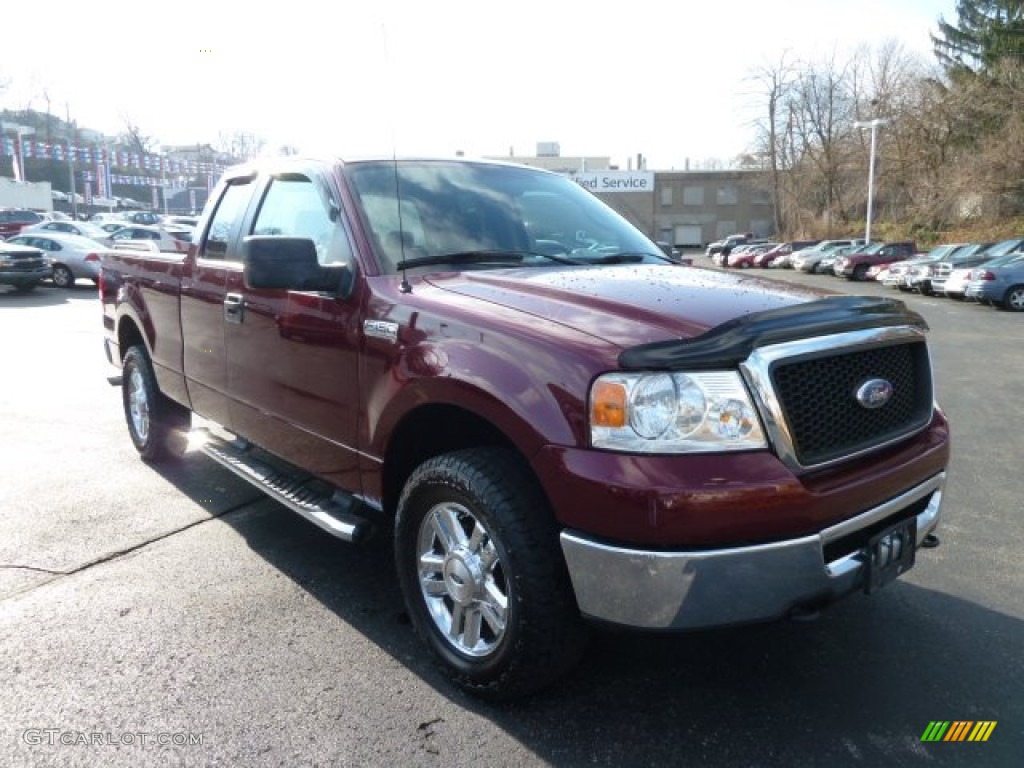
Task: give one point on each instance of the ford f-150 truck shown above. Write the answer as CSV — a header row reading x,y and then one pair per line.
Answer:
x,y
557,425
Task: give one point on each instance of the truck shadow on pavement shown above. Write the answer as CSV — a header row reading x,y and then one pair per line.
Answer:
x,y
858,686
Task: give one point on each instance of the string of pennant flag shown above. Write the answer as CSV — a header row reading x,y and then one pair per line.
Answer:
x,y
89,155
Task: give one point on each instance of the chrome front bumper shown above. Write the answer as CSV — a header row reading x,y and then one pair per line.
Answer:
x,y
699,589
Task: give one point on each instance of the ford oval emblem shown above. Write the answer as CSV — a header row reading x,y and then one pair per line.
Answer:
x,y
874,393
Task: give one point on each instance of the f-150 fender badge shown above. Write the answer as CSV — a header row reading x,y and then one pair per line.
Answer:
x,y
381,329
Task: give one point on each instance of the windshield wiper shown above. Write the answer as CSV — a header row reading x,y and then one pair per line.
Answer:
x,y
496,256
624,257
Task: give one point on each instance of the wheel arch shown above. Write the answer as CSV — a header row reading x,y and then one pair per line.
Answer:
x,y
1009,291
129,335
431,430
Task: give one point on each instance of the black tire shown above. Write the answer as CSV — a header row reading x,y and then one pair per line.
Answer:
x,y
63,277
474,530
153,418
1013,300
926,289
860,273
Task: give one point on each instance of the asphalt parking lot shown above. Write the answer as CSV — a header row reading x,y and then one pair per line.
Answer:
x,y
172,616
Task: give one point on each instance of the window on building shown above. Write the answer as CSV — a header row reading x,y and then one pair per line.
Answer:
x,y
666,195
693,195
726,195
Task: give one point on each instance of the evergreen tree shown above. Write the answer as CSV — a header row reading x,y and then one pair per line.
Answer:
x,y
986,33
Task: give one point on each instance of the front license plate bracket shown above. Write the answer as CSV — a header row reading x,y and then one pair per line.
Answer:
x,y
890,554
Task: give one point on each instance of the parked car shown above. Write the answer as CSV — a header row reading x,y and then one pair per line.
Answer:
x,y
80,228
745,260
956,284
729,242
808,259
13,220
190,222
147,218
878,272
920,277
779,257
1001,286
103,216
71,256
828,262
169,240
22,266
855,265
943,281
721,258
110,226
764,259
898,270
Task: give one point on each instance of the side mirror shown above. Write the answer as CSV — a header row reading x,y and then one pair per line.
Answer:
x,y
273,262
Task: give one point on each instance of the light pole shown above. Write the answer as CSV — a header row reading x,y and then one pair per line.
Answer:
x,y
873,125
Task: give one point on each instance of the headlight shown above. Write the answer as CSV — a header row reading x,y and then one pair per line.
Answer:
x,y
673,413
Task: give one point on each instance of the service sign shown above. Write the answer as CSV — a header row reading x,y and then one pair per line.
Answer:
x,y
616,181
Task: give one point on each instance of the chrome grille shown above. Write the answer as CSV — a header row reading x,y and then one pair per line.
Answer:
x,y
25,265
827,421
807,393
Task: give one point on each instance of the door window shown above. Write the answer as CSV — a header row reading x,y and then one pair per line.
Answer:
x,y
294,207
226,219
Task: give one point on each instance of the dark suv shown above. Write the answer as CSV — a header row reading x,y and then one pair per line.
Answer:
x,y
23,266
12,220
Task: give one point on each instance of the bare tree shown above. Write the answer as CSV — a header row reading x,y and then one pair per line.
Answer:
x,y
826,109
775,83
133,138
241,145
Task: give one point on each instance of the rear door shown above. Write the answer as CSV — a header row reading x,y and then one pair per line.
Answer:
x,y
292,355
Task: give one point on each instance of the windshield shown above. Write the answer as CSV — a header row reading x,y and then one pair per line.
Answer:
x,y
451,209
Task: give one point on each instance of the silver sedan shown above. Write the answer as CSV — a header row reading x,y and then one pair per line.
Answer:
x,y
72,256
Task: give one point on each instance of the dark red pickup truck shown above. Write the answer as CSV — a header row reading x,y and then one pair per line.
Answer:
x,y
557,423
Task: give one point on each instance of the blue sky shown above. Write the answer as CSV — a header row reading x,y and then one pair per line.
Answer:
x,y
665,80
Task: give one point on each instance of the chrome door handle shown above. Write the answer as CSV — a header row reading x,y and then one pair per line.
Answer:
x,y
234,308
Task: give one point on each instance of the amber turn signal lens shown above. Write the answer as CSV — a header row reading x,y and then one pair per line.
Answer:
x,y
608,407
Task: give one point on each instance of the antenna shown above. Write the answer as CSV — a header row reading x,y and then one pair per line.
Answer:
x,y
404,287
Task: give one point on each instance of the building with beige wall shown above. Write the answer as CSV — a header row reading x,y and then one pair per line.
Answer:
x,y
693,208
683,208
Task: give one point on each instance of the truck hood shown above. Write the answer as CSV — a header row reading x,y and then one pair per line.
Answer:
x,y
630,304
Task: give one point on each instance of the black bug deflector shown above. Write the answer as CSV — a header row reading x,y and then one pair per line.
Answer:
x,y
732,342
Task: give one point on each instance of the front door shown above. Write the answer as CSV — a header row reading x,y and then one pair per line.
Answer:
x,y
292,355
